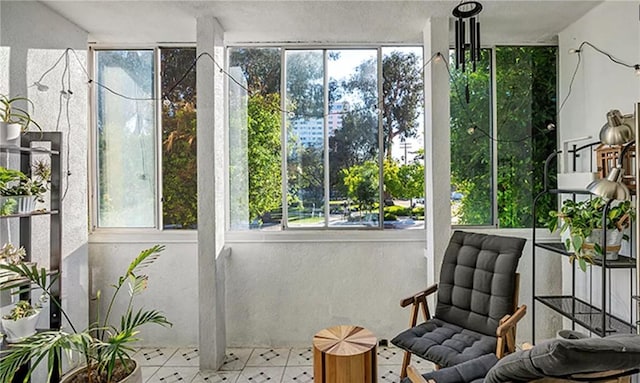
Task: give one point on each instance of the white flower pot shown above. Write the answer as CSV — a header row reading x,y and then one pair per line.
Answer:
x,y
614,241
17,330
9,133
134,377
26,203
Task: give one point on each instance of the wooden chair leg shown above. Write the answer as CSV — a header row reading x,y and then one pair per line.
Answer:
x,y
415,376
405,363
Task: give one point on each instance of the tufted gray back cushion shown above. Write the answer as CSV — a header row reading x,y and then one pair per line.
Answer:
x,y
477,280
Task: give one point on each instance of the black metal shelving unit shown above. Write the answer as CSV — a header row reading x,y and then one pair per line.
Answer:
x,y
34,144
593,316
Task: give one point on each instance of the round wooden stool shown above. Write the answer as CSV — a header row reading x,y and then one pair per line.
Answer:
x,y
344,354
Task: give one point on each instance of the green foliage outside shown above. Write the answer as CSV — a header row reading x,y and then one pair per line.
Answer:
x,y
526,100
179,156
264,154
362,184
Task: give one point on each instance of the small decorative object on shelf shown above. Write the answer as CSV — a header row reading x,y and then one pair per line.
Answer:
x,y
607,158
105,348
13,119
19,192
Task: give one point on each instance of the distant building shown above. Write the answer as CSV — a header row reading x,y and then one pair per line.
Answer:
x,y
310,130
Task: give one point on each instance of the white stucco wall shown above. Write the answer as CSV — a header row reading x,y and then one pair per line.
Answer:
x,y
32,38
600,85
280,290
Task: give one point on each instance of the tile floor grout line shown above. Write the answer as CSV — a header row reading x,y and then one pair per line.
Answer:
x,y
236,375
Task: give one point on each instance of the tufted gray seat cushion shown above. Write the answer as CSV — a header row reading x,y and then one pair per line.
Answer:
x,y
444,343
476,289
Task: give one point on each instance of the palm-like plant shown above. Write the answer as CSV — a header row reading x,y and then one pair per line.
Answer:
x,y
11,114
105,348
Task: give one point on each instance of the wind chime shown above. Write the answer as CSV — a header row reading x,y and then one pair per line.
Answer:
x,y
466,12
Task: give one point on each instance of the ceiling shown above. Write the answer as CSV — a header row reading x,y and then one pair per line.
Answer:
x,y
313,21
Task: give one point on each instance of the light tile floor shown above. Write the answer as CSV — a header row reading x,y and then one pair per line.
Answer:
x,y
257,365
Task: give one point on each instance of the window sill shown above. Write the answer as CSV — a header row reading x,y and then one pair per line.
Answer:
x,y
143,236
325,236
231,237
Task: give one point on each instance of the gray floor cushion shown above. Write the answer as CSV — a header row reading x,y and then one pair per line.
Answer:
x,y
561,358
445,344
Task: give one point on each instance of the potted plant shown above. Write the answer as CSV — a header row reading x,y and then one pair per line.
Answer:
x,y
10,255
584,222
105,349
19,192
21,321
13,119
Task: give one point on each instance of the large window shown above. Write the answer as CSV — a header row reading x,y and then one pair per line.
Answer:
x,y
128,138
312,152
500,137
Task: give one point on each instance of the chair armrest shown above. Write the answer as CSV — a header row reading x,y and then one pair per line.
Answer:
x,y
416,298
510,321
415,377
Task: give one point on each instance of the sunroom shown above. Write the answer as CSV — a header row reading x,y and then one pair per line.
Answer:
x,y
304,165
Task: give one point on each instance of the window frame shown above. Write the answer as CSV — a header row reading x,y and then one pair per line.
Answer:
x,y
325,48
188,235
93,172
495,222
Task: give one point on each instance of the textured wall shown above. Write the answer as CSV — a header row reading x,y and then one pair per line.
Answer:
x,y
33,38
600,85
279,292
172,289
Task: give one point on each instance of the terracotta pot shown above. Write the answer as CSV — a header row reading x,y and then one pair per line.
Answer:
x,y
134,377
9,133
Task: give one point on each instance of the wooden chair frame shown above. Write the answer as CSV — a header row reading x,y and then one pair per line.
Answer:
x,y
506,332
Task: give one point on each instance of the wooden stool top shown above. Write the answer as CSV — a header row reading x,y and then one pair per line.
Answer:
x,y
344,340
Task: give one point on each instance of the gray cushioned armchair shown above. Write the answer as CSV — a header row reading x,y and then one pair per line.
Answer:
x,y
476,311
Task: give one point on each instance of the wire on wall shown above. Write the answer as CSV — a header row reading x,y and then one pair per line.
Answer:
x,y
612,58
66,92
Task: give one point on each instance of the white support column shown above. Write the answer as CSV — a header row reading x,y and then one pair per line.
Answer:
x,y
211,167
437,144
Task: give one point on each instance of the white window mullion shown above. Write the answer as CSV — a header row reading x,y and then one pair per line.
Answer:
x,y
157,91
494,141
380,109
283,137
325,121
93,143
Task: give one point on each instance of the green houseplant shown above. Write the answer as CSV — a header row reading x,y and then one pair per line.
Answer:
x,y
584,222
11,255
14,119
105,349
19,192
